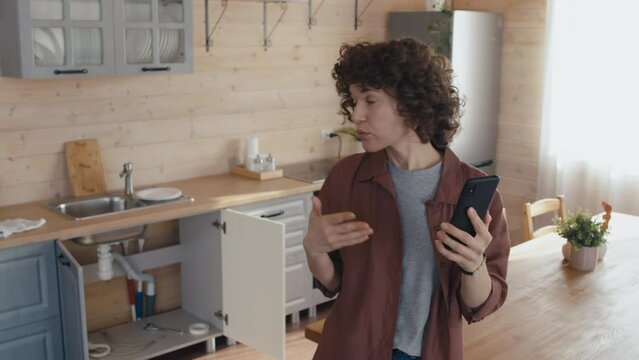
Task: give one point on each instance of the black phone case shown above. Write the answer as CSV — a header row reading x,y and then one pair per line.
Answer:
x,y
477,193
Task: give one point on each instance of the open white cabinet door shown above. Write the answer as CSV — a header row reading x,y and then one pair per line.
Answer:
x,y
253,282
71,282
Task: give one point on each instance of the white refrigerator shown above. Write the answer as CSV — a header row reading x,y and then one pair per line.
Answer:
x,y
472,40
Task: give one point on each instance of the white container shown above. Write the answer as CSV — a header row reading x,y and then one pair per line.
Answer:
x,y
252,146
251,151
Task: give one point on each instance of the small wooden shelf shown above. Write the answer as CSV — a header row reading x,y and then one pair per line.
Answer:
x,y
131,342
264,175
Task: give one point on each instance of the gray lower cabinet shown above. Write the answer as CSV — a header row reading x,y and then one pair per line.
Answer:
x,y
40,340
29,305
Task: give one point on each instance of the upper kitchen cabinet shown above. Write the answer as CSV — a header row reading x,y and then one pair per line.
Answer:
x,y
153,36
56,38
62,38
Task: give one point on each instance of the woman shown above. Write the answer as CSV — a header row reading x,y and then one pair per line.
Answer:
x,y
377,231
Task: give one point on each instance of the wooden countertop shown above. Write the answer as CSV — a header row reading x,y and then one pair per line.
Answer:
x,y
210,193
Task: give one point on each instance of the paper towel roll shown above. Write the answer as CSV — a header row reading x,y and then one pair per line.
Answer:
x,y
252,147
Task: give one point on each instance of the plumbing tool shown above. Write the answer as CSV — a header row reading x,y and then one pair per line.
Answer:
x,y
153,327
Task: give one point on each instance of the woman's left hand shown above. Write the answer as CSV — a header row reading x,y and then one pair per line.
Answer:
x,y
469,255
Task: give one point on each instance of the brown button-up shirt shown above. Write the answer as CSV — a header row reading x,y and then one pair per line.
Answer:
x,y
361,324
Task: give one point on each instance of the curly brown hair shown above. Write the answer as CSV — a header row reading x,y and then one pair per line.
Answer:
x,y
413,74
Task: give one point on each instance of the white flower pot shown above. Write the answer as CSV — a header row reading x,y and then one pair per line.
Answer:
x,y
565,250
584,259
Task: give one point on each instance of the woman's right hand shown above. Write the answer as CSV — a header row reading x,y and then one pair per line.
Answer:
x,y
333,231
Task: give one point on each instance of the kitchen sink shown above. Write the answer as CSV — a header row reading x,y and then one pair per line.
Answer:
x,y
92,207
88,208
84,208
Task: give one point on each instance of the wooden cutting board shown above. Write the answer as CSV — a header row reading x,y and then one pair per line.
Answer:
x,y
85,168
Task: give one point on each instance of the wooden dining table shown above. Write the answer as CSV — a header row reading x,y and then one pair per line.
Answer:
x,y
557,313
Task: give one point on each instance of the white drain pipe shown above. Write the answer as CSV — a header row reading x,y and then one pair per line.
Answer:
x,y
105,266
105,262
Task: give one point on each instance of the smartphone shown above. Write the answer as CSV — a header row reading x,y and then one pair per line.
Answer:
x,y
477,193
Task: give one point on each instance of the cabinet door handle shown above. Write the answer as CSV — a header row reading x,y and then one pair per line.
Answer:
x,y
70,72
63,260
275,214
149,69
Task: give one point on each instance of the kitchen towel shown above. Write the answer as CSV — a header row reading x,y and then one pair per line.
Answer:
x,y
10,226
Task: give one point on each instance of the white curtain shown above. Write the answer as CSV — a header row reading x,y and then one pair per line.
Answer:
x,y
590,127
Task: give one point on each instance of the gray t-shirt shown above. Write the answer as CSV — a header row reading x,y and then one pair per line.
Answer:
x,y
419,273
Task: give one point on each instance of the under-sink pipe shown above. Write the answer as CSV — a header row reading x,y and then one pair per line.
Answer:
x,y
105,272
149,295
105,262
139,296
105,265
130,283
148,278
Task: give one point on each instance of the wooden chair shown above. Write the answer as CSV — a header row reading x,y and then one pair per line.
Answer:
x,y
540,207
313,331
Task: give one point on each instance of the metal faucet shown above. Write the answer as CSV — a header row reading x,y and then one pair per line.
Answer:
x,y
127,169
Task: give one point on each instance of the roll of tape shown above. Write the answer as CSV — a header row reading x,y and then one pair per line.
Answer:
x,y
199,328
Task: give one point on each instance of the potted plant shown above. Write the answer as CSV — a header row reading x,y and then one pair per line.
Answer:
x,y
585,237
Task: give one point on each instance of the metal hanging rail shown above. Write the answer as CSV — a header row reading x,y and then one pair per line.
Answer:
x,y
267,33
358,15
209,34
311,14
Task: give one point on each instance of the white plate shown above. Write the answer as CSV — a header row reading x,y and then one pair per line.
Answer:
x,y
159,194
147,54
57,39
164,37
42,55
170,45
41,37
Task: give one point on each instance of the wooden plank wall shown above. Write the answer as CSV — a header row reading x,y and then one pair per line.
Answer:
x,y
185,125
521,100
